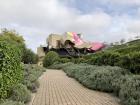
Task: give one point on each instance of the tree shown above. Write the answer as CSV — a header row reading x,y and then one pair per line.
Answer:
x,y
12,37
29,57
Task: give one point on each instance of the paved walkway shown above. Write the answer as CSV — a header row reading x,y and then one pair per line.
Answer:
x,y
58,89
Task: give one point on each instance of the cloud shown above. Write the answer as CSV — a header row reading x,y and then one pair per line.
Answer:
x,y
122,2
35,20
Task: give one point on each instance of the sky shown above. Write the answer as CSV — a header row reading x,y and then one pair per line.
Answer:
x,y
97,20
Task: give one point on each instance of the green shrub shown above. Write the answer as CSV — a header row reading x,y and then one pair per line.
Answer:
x,y
60,66
130,90
32,86
10,102
135,62
12,37
31,75
128,61
128,49
124,61
10,67
77,60
106,78
95,77
105,58
50,58
20,93
102,78
63,60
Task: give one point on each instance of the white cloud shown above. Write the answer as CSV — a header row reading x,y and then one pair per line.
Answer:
x,y
35,19
123,2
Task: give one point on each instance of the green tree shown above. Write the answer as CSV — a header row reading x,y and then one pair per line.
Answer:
x,y
12,37
29,57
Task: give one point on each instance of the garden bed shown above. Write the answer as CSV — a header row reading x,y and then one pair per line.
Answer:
x,y
110,79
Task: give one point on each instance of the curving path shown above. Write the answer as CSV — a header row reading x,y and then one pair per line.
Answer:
x,y
58,89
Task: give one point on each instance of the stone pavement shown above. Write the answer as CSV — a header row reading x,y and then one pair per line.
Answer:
x,y
58,89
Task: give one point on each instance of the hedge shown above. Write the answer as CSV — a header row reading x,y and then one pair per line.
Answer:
x,y
10,68
129,61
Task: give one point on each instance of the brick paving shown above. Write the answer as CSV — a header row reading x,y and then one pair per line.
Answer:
x,y
58,89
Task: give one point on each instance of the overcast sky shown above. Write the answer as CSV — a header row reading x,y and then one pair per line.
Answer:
x,y
97,20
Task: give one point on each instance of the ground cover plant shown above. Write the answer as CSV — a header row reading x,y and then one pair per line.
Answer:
x,y
21,93
31,75
10,102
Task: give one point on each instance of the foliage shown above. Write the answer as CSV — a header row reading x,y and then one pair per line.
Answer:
x,y
135,62
77,60
50,58
12,37
20,93
60,66
124,55
95,77
106,78
130,90
10,102
10,67
31,75
129,61
105,58
29,57
63,60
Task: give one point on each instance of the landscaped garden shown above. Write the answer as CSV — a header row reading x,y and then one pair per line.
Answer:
x,y
115,70
18,70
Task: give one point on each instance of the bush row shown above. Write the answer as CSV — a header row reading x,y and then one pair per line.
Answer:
x,y
128,61
106,78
